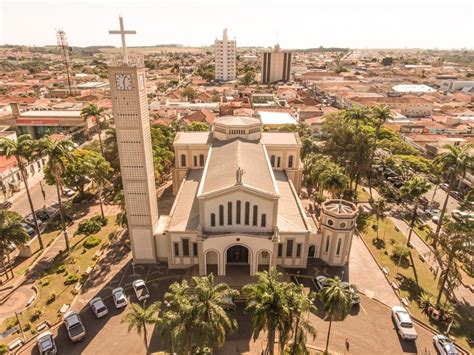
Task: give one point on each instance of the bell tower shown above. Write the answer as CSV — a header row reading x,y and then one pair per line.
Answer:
x,y
132,123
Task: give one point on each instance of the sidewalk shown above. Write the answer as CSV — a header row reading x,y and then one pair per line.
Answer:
x,y
462,294
32,181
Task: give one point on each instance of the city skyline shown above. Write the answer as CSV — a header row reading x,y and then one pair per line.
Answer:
x,y
306,25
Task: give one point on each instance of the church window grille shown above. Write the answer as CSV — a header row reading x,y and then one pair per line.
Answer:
x,y
183,160
289,248
237,216
221,215
264,220
176,249
327,244
185,247
280,250
255,215
247,213
290,161
338,249
272,161
195,249
201,160
213,219
195,160
229,213
298,250
278,162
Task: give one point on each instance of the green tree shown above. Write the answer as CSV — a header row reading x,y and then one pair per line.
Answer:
x,y
100,174
23,150
100,115
337,303
57,152
212,320
111,147
197,127
248,78
138,317
189,93
267,304
334,180
456,161
456,245
412,190
12,232
379,209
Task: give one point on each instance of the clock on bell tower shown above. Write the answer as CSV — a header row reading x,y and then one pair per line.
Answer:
x,y
132,123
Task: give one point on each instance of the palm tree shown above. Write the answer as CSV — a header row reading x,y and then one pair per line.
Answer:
x,y
100,174
413,190
379,208
437,179
100,114
138,317
300,305
266,302
456,242
334,180
426,302
23,150
58,152
337,302
456,161
211,317
381,114
356,115
12,232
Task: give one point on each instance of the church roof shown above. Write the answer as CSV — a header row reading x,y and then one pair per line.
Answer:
x,y
193,138
237,121
224,161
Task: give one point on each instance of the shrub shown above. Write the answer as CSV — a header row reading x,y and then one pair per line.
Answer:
x,y
10,323
100,220
3,349
36,314
27,326
89,226
61,269
45,281
51,298
400,252
71,279
33,331
91,242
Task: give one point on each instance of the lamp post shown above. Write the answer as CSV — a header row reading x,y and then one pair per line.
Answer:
x,y
168,305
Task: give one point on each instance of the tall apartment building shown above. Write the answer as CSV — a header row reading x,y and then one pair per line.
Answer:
x,y
276,66
225,58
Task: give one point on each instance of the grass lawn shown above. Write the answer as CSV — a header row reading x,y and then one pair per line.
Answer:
x,y
53,292
414,277
363,194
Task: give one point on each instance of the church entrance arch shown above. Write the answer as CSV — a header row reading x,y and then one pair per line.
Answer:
x,y
238,258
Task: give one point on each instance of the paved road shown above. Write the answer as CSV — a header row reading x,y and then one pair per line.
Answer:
x,y
439,197
20,200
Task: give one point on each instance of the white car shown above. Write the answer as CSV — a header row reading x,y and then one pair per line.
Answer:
x,y
435,219
141,291
46,344
68,192
74,326
321,282
444,345
31,220
120,300
403,323
28,229
98,307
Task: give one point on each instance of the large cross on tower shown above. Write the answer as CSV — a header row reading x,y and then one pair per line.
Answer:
x,y
122,32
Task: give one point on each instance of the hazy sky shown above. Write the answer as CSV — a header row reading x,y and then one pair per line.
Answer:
x,y
293,24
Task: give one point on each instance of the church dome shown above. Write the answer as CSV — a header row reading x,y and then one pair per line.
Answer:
x,y
229,127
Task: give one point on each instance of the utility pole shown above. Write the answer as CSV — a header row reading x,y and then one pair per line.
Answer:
x,y
64,46
21,328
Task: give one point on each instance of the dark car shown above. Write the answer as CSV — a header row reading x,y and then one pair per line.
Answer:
x,y
42,215
6,205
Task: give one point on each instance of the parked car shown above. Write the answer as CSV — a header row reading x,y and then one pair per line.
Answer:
x,y
403,323
98,307
431,212
321,282
31,220
6,204
42,215
355,297
75,328
68,193
118,295
444,186
141,291
461,215
28,229
46,344
424,201
435,219
444,345
457,195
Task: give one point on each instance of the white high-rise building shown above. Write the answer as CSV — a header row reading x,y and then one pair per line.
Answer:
x,y
225,58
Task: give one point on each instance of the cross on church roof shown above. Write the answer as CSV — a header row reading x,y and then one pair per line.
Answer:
x,y
122,32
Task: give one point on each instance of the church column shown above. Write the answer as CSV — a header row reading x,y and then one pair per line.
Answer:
x,y
220,264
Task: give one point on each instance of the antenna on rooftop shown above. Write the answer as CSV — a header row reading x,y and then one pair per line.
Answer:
x,y
65,49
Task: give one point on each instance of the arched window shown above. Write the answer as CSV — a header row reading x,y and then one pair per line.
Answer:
x,y
195,159
255,215
237,216
338,249
278,162
229,213
327,244
264,220
272,161
290,161
201,160
221,215
183,160
213,219
247,213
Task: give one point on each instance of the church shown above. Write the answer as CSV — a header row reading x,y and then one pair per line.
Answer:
x,y
237,192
